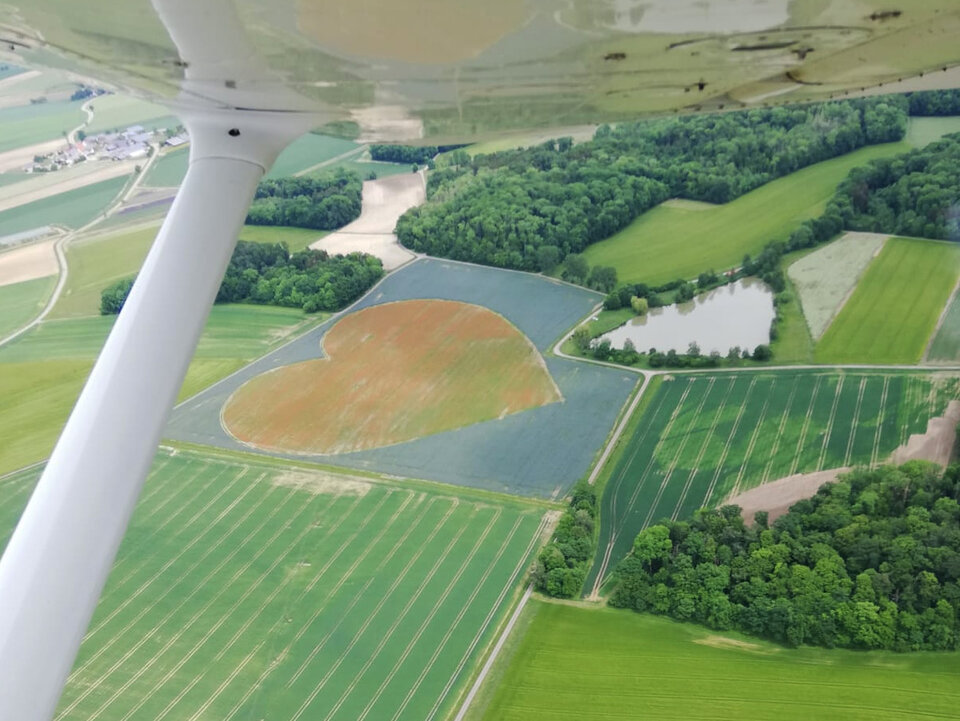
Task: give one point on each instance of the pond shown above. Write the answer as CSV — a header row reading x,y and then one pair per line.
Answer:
x,y
738,314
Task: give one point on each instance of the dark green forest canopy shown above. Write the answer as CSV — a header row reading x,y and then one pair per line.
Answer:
x,y
502,209
872,562
268,274
402,153
561,565
323,202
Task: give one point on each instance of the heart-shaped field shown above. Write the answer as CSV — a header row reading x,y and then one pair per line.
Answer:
x,y
393,372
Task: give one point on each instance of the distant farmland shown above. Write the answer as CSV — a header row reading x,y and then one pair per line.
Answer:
x,y
601,663
894,309
704,438
250,592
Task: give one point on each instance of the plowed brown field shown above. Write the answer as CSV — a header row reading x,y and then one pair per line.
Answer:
x,y
393,373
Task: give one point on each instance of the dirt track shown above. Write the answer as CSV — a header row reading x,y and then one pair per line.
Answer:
x,y
28,263
384,201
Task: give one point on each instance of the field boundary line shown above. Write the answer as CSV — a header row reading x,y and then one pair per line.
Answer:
x,y
880,419
783,424
805,428
856,422
618,431
504,590
703,449
925,356
829,429
463,612
753,438
450,585
494,654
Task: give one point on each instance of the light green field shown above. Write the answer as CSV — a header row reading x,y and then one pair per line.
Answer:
x,y
923,131
168,170
296,238
706,438
22,302
31,124
42,373
309,150
248,590
670,242
72,209
946,343
891,315
601,663
97,262
117,112
364,168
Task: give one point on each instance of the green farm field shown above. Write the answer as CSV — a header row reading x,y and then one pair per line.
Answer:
x,y
168,170
117,112
247,590
945,345
704,438
296,238
25,125
601,663
923,131
22,302
42,373
678,241
73,209
894,309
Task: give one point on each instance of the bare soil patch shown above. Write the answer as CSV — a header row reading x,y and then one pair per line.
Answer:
x,y
725,642
29,262
320,483
384,201
936,444
776,497
393,373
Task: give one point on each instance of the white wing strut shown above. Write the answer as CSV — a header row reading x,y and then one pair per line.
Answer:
x,y
58,559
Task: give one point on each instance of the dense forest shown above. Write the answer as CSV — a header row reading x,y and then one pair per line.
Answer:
x,y
324,202
935,102
870,562
268,274
403,153
524,208
561,566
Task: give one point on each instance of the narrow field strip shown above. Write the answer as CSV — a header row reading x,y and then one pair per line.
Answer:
x,y
829,429
806,426
856,422
883,409
779,437
753,438
729,444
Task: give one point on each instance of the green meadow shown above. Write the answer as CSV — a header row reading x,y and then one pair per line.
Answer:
x,y
22,302
25,125
73,209
576,662
894,309
681,240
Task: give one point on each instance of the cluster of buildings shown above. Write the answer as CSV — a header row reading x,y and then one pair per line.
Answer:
x,y
129,144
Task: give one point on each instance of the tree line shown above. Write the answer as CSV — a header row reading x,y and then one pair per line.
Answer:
x,y
872,561
323,202
267,274
531,208
561,566
403,153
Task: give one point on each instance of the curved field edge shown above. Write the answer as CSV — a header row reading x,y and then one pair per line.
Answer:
x,y
670,242
895,307
576,661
